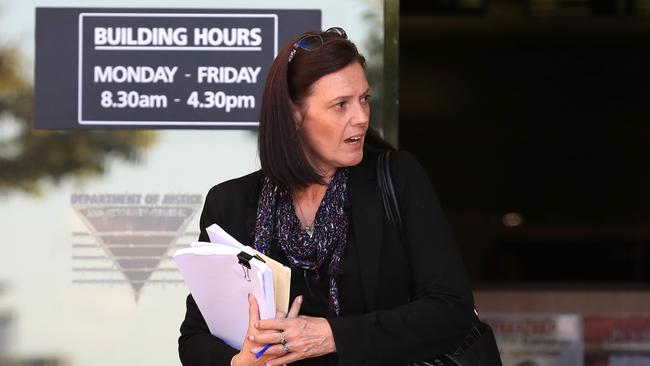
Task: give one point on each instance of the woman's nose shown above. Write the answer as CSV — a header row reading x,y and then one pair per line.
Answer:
x,y
361,114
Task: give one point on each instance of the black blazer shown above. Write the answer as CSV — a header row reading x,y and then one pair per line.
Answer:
x,y
417,293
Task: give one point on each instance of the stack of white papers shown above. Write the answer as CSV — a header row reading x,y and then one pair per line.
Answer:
x,y
222,273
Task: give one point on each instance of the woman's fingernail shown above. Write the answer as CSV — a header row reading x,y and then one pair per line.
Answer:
x,y
251,338
255,350
299,298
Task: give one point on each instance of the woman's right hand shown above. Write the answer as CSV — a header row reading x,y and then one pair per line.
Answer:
x,y
245,357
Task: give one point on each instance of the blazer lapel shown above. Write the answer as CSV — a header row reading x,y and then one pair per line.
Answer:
x,y
250,212
367,223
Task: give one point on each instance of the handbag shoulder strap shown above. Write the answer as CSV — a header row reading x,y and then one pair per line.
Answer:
x,y
388,196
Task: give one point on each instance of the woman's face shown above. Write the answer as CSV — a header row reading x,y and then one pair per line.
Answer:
x,y
334,118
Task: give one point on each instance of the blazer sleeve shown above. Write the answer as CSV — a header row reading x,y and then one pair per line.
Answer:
x,y
440,312
196,345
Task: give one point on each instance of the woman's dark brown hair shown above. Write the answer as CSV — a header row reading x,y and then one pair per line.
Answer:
x,y
280,147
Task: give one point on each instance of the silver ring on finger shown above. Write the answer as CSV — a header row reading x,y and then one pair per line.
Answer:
x,y
282,340
285,349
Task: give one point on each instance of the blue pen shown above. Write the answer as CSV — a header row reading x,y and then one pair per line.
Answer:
x,y
261,353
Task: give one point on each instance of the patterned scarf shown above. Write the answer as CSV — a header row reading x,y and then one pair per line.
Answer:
x,y
276,220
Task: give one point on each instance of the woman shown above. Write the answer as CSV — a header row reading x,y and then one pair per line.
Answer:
x,y
367,297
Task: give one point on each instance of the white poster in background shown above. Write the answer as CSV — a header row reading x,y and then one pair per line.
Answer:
x,y
617,340
538,340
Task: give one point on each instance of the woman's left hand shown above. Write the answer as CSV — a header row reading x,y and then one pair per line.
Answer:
x,y
304,337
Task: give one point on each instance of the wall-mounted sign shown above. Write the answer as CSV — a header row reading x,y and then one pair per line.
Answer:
x,y
126,68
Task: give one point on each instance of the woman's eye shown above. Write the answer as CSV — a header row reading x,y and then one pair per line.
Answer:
x,y
366,98
340,105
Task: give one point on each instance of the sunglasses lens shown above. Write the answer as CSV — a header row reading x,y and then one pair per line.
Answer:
x,y
310,42
314,41
336,32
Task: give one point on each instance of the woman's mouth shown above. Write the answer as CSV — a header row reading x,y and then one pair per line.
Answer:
x,y
353,139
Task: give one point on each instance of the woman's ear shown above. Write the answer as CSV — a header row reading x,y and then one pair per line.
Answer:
x,y
297,113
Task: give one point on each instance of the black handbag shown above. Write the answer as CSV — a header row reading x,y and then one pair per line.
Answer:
x,y
479,348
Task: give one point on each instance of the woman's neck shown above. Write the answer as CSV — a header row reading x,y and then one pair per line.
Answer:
x,y
307,200
311,193
314,191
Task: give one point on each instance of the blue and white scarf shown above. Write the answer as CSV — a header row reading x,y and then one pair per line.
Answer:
x,y
277,221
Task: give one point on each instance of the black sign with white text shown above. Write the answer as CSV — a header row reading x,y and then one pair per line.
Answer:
x,y
119,68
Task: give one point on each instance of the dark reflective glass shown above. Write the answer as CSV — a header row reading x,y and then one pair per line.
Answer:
x,y
313,41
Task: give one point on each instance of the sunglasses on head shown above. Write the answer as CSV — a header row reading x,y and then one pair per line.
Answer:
x,y
313,41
